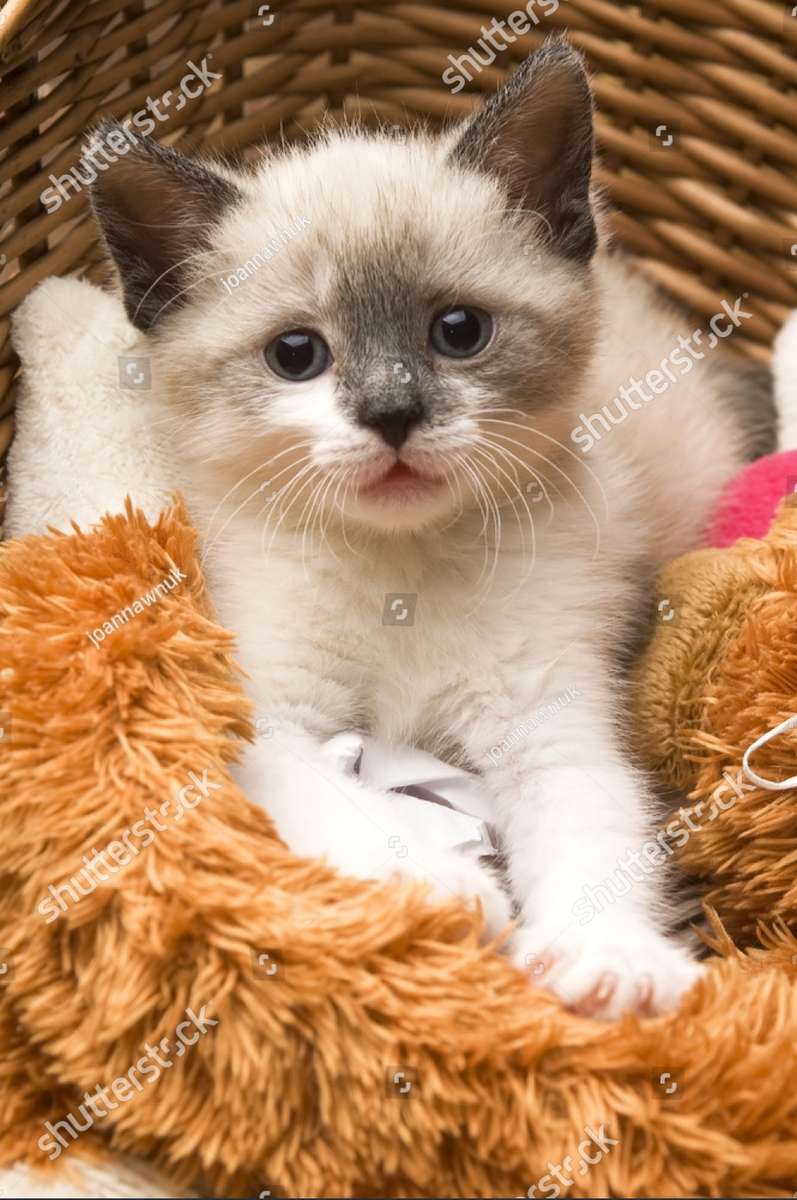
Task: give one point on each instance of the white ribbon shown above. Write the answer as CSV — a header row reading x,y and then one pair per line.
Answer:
x,y
771,785
441,802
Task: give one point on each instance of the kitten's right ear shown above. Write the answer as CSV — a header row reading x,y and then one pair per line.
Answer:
x,y
155,208
536,135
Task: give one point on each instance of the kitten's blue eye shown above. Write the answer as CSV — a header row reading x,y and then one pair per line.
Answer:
x,y
461,332
297,355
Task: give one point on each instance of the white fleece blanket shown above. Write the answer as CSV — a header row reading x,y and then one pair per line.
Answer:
x,y
88,428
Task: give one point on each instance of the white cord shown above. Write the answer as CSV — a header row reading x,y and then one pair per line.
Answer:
x,y
772,785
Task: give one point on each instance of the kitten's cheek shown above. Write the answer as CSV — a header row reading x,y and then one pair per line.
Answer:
x,y
309,409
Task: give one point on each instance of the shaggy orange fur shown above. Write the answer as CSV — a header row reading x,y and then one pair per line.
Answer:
x,y
293,1090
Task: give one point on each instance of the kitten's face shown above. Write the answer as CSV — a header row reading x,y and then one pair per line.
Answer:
x,y
412,341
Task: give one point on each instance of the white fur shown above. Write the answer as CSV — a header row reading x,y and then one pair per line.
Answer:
x,y
84,1177
784,369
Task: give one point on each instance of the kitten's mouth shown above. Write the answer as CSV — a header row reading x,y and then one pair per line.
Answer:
x,y
401,482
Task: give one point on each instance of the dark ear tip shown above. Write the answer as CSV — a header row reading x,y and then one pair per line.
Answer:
x,y
102,129
557,52
557,56
103,126
557,47
138,146
99,133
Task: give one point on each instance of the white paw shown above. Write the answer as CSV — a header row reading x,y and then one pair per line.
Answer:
x,y
455,874
450,875
629,967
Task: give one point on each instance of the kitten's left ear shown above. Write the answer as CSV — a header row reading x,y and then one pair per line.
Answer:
x,y
536,134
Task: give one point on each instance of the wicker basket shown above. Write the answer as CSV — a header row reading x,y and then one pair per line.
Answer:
x,y
697,118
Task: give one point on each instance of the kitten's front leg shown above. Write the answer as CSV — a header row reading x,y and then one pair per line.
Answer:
x,y
576,819
321,812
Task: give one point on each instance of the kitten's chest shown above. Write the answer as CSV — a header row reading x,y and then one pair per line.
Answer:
x,y
391,641
408,667
378,644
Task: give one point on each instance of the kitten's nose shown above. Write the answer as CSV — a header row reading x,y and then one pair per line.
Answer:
x,y
394,424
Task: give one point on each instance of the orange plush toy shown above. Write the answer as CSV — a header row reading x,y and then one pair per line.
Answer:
x,y
358,1040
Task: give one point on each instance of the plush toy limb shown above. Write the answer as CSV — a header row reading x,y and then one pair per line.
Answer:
x,y
84,439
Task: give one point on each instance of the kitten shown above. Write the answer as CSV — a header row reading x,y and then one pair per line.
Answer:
x,y
377,415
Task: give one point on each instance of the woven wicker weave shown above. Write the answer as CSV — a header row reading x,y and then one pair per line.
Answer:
x,y
708,204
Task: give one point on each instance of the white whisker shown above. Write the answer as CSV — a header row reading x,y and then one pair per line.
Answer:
x,y
482,450
306,474
555,466
260,467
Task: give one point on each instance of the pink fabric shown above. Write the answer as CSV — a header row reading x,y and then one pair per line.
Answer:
x,y
749,502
